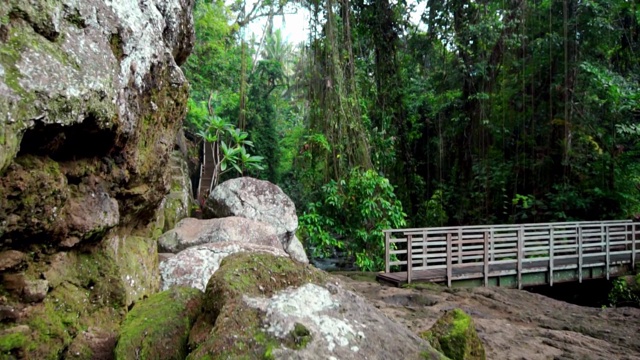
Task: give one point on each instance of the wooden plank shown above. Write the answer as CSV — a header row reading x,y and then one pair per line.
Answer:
x,y
409,257
580,257
387,254
486,259
551,241
459,246
424,248
520,255
449,264
607,258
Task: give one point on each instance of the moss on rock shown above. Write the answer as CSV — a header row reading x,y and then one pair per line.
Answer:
x,y
12,340
235,330
158,327
85,293
137,260
454,334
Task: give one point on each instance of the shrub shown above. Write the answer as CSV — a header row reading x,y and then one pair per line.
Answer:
x,y
351,217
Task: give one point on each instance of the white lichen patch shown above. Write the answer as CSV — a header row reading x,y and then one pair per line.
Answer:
x,y
312,306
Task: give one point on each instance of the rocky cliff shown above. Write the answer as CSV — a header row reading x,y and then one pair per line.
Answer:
x,y
91,100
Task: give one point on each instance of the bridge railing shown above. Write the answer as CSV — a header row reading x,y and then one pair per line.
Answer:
x,y
450,248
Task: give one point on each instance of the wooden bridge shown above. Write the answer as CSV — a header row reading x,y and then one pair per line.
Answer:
x,y
511,255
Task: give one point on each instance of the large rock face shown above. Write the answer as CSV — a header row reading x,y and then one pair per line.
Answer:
x,y
262,201
91,97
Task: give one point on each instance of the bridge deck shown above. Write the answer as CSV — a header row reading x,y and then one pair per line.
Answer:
x,y
556,251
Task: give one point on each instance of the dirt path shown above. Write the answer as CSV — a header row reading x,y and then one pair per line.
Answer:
x,y
516,324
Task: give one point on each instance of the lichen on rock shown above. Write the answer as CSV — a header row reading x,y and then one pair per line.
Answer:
x,y
228,327
454,334
262,307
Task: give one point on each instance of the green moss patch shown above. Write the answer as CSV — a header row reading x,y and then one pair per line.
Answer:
x,y
299,337
158,327
236,329
86,293
137,261
454,334
34,191
11,341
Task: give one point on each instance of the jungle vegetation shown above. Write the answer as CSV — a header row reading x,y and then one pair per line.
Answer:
x,y
480,112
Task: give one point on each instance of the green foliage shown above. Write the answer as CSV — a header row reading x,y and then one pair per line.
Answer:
x,y
625,294
481,113
229,143
261,122
215,63
432,211
351,216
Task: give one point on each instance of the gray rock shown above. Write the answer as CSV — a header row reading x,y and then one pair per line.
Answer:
x,y
8,313
191,232
341,325
296,250
11,259
194,266
93,344
258,200
165,256
35,290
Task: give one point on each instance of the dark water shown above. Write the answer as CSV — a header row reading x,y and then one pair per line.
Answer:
x,y
338,261
592,293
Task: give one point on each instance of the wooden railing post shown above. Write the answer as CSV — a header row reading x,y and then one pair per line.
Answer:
x,y
520,255
579,253
459,245
486,259
493,253
424,249
409,257
449,260
633,245
387,252
551,255
607,241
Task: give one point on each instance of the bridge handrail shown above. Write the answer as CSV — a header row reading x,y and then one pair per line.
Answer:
x,y
506,225
459,246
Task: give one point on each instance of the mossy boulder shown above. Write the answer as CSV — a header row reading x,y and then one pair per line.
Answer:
x,y
229,328
85,293
260,306
454,334
158,327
